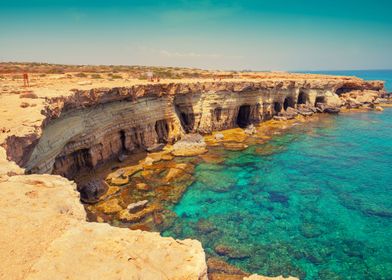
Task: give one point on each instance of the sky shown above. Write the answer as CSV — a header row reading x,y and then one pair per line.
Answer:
x,y
228,34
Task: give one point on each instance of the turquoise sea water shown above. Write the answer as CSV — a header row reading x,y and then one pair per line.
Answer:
x,y
315,202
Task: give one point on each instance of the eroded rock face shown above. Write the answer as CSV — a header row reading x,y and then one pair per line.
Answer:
x,y
87,128
45,236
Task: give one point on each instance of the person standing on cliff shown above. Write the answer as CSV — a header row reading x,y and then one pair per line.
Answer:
x,y
26,80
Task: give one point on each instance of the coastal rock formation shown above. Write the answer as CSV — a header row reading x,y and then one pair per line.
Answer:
x,y
65,132
89,127
45,236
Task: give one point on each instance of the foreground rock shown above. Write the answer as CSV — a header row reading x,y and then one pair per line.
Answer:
x,y
45,236
65,132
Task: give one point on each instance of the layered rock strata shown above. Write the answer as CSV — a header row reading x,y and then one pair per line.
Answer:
x,y
89,127
45,236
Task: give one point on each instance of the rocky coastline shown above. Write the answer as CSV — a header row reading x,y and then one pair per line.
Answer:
x,y
85,129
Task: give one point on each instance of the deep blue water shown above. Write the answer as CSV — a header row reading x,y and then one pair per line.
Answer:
x,y
315,202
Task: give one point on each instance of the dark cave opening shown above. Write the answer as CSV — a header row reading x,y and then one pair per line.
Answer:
x,y
288,102
302,98
319,99
162,130
186,116
122,139
277,107
243,117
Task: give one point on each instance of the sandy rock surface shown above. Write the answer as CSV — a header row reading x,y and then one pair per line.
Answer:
x,y
45,236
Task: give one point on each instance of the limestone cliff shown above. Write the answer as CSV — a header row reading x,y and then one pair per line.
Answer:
x,y
89,127
45,236
44,230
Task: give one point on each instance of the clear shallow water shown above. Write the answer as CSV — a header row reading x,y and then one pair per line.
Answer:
x,y
315,202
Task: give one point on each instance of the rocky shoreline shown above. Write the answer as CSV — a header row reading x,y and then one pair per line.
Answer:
x,y
85,129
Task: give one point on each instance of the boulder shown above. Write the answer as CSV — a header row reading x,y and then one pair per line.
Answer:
x,y
190,145
280,118
133,207
91,191
250,129
219,136
122,157
379,108
332,110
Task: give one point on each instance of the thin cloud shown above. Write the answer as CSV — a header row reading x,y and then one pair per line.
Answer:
x,y
194,55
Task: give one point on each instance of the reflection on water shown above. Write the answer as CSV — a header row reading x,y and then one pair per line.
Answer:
x,y
315,202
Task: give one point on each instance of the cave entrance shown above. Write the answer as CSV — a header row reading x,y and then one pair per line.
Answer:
x,y
243,117
69,165
302,98
186,116
277,107
162,130
122,139
347,88
319,99
288,102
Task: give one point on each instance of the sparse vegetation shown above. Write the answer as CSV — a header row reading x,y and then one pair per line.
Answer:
x,y
115,76
96,76
55,70
81,75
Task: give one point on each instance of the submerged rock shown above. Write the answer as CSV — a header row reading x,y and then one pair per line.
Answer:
x,y
219,269
278,197
225,250
110,206
204,226
310,230
137,205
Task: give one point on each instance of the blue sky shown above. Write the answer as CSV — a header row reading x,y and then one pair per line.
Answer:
x,y
258,35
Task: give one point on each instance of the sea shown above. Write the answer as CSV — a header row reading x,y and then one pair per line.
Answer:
x,y
314,202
